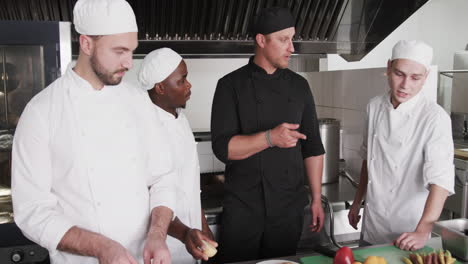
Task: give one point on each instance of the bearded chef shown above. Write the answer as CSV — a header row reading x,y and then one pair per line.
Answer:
x,y
91,178
408,171
164,74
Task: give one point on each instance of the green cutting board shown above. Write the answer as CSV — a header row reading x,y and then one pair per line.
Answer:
x,y
391,254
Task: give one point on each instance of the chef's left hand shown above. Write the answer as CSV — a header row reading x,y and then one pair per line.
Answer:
x,y
411,240
317,214
156,249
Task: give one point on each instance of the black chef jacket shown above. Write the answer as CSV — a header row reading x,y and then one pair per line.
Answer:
x,y
248,101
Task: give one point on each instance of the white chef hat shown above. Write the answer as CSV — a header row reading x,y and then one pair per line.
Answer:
x,y
414,50
103,17
157,66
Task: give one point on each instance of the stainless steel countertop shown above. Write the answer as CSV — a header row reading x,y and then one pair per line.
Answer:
x,y
435,243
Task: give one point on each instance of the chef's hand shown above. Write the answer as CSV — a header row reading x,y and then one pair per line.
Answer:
x,y
193,243
114,253
317,214
353,215
285,135
156,250
411,240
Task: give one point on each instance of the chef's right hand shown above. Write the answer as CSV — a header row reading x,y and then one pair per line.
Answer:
x,y
285,135
353,215
114,253
194,244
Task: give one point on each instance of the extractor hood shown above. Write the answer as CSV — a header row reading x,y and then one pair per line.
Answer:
x,y
350,28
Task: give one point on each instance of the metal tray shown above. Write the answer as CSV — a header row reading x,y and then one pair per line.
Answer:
x,y
454,236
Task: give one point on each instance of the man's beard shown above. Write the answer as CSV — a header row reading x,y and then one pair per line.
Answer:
x,y
278,64
105,77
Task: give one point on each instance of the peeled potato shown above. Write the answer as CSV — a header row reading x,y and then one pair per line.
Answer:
x,y
208,249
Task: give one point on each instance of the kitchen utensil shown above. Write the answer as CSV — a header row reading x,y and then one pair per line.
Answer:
x,y
453,236
330,134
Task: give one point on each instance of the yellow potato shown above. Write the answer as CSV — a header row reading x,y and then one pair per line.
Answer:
x,y
208,249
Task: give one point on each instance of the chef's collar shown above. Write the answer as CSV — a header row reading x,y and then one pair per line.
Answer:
x,y
260,73
405,107
82,87
165,116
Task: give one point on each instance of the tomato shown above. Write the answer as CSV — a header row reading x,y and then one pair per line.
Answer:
x,y
344,255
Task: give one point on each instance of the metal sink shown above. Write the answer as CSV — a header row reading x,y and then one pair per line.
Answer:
x,y
454,238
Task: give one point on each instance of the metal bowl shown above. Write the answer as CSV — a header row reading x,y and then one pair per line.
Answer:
x,y
454,235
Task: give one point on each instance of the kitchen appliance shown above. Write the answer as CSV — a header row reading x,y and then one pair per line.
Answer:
x,y
32,55
457,204
330,134
15,248
454,235
348,27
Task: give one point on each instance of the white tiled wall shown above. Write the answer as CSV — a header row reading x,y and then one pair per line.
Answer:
x,y
208,161
344,95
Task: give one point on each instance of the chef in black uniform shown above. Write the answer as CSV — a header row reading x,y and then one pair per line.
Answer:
x,y
264,128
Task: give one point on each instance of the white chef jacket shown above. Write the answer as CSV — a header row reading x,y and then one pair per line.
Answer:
x,y
188,208
93,159
407,149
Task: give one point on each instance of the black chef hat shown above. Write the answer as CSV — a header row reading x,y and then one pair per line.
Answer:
x,y
273,19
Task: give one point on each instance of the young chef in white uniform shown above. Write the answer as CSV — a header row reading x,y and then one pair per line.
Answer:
x,y
408,170
91,178
164,74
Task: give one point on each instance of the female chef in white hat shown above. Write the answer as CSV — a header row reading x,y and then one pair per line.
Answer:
x,y
407,149
164,74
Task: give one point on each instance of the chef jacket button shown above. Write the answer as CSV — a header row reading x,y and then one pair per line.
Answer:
x,y
396,166
98,203
369,182
375,135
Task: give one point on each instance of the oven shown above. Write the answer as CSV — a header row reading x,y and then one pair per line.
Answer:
x,y
32,55
457,204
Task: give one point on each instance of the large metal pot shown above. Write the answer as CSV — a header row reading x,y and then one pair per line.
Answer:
x,y
330,134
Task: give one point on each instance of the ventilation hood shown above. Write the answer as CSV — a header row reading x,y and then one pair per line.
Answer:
x,y
350,28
